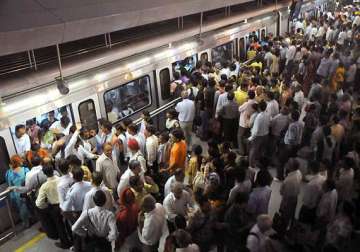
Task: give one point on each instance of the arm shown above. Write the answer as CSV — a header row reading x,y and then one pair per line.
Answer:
x,y
80,223
70,146
68,203
27,143
151,151
113,232
41,198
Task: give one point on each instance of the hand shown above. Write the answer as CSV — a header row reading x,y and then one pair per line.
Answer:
x,y
11,188
162,170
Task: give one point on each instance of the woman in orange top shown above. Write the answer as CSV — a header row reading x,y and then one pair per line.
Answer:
x,y
177,153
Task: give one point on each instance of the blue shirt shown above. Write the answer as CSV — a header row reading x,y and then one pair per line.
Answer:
x,y
74,200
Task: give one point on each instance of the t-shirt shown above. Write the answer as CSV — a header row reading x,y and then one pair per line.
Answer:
x,y
178,155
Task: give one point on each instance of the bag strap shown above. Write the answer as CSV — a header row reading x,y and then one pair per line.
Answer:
x,y
254,234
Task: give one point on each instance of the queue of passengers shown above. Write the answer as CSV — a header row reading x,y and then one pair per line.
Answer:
x,y
295,108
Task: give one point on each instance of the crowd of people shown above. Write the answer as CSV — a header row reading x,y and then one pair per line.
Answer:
x,y
294,110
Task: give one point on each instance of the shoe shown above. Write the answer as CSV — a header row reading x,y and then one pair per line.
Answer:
x,y
62,246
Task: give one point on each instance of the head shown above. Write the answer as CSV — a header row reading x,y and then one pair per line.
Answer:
x,y
48,170
314,167
262,106
179,175
99,198
133,145
295,115
177,190
148,203
136,183
63,166
239,174
20,130
329,185
251,94
16,161
106,127
204,204
73,161
177,135
241,198
171,114
182,238
264,222
97,178
348,163
36,160
150,130
64,121
164,137
78,173
135,166
107,149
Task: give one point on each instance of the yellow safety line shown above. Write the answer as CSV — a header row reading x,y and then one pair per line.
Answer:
x,y
30,243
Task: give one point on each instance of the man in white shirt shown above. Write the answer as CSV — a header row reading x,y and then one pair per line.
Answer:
x,y
104,137
152,224
178,177
246,109
133,170
186,110
152,144
100,225
136,154
178,202
259,234
62,126
259,134
96,183
272,105
108,167
21,140
65,181
222,100
76,147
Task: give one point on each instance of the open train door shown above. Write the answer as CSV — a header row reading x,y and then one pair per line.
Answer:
x,y
205,55
87,111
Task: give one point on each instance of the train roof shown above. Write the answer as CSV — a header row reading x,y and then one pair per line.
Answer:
x,y
43,23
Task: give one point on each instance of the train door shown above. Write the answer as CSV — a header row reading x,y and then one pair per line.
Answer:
x,y
242,49
262,33
87,111
205,55
164,77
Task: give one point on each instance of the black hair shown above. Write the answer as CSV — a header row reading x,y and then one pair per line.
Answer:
x,y
295,115
36,160
314,166
262,105
178,134
78,173
73,160
133,164
107,125
48,170
151,129
230,96
134,181
239,174
165,135
63,166
241,198
19,126
64,120
180,222
99,198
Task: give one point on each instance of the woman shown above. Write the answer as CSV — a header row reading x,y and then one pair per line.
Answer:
x,y
127,221
14,177
194,163
338,78
171,120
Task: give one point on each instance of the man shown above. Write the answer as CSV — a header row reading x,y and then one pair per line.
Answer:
x,y
152,224
260,196
323,69
65,181
100,225
258,237
246,111
178,177
177,152
272,105
278,125
242,185
312,194
222,100
97,180
178,202
259,134
152,145
108,168
105,136
136,154
230,115
133,134
21,140
326,209
186,110
133,170
50,214
293,135
142,187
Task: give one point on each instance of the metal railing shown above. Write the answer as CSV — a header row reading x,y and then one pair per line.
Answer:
x,y
4,197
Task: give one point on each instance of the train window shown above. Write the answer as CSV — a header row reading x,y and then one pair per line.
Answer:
x,y
128,98
204,57
263,34
165,83
242,50
4,160
222,54
87,113
188,64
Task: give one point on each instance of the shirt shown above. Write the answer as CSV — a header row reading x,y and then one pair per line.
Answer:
x,y
230,110
168,185
290,55
178,155
48,193
313,191
140,157
324,67
74,200
344,184
261,125
155,226
278,124
259,200
293,135
272,108
243,187
98,222
63,186
108,168
81,152
124,180
22,144
291,185
240,96
186,110
174,206
152,145
89,201
299,98
245,113
147,189
326,209
222,100
256,240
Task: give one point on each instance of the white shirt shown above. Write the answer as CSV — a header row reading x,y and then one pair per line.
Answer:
x,y
108,168
152,144
174,206
124,180
341,38
81,152
64,184
245,113
256,243
222,100
272,108
168,184
261,125
155,226
89,201
291,185
57,126
22,144
186,110
140,157
290,54
98,222
74,200
299,98
313,191
327,206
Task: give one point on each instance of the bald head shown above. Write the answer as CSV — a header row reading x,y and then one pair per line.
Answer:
x,y
177,190
264,222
